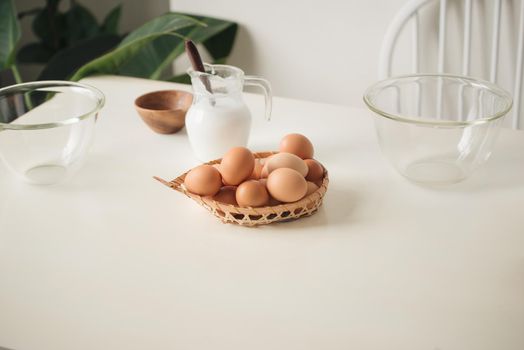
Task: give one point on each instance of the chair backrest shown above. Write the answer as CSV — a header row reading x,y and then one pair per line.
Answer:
x,y
485,19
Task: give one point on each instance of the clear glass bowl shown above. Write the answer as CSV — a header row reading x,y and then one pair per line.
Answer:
x,y
437,129
46,128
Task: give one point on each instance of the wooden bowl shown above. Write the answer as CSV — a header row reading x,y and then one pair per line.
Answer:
x,y
164,111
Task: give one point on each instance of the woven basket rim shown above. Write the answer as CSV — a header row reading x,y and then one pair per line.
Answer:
x,y
312,200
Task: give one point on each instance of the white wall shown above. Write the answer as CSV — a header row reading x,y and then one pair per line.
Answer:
x,y
326,50
317,50
329,50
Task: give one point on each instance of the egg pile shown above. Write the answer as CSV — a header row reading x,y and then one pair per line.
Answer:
x,y
243,180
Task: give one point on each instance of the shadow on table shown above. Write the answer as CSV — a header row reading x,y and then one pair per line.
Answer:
x,y
337,209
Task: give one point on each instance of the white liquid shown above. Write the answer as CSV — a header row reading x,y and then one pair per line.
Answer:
x,y
214,129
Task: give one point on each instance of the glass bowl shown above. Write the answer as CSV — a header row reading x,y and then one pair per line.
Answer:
x,y
437,129
46,128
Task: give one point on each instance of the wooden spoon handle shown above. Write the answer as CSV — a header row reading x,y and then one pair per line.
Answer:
x,y
196,62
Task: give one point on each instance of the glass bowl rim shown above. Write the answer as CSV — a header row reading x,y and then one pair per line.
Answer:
x,y
100,101
191,71
506,96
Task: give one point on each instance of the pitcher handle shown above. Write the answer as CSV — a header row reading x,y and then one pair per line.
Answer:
x,y
266,86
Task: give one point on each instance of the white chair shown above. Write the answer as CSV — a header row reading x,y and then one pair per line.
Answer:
x,y
465,18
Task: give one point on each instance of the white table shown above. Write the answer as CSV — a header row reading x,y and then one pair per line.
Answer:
x,y
115,260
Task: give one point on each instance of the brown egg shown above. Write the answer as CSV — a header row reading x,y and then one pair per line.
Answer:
x,y
217,167
252,193
297,144
264,172
311,187
272,201
286,160
264,161
257,170
203,180
237,165
286,185
227,195
315,170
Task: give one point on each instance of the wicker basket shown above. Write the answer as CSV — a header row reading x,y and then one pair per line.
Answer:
x,y
254,216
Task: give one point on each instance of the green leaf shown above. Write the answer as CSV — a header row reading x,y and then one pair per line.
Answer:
x,y
217,35
30,12
182,79
110,23
34,53
151,60
81,24
66,61
220,45
9,33
111,62
167,23
50,26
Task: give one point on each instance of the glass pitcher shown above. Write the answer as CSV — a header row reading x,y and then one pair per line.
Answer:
x,y
219,119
